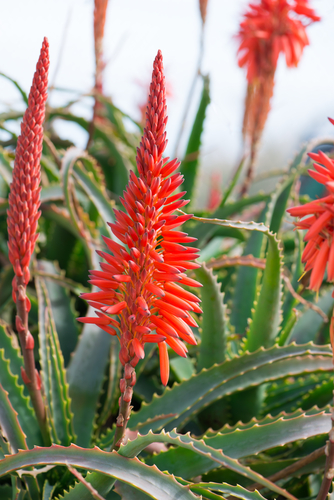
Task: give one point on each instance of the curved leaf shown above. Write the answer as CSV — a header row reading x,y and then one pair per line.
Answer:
x,y
244,440
310,322
118,171
133,448
20,402
266,318
85,376
61,306
67,165
236,491
10,425
9,343
247,280
97,195
214,328
132,471
53,370
204,232
19,88
243,372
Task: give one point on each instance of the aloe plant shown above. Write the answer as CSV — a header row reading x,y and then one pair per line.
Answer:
x,y
89,409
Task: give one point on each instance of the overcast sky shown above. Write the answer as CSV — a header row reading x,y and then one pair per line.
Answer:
x,y
135,30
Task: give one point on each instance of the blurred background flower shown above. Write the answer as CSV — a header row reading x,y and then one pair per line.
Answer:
x,y
305,93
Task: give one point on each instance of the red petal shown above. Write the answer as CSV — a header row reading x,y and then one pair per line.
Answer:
x,y
165,327
155,289
161,304
318,225
138,348
154,338
189,281
177,346
164,362
117,308
319,267
180,292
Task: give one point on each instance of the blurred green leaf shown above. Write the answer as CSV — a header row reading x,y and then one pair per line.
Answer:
x,y
53,371
23,94
85,375
189,165
247,281
309,323
62,310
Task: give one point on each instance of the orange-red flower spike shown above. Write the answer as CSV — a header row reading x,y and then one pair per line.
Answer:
x,y
150,307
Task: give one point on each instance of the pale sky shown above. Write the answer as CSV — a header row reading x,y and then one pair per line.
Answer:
x,y
135,30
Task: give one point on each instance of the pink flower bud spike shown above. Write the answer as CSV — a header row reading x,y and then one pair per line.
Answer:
x,y
22,218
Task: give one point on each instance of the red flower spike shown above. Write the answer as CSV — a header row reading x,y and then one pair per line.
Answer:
x,y
145,297
269,28
318,219
24,196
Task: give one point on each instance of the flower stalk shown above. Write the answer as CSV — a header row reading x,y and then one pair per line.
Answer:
x,y
126,386
22,219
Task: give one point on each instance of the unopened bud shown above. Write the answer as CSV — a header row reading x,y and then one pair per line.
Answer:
x,y
122,385
19,325
24,376
134,361
133,379
128,371
30,343
26,275
127,395
28,305
120,421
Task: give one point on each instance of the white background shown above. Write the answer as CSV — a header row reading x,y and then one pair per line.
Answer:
x,y
135,30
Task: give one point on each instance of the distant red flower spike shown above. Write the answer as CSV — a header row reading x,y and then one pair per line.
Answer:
x,y
318,220
269,28
203,5
144,294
